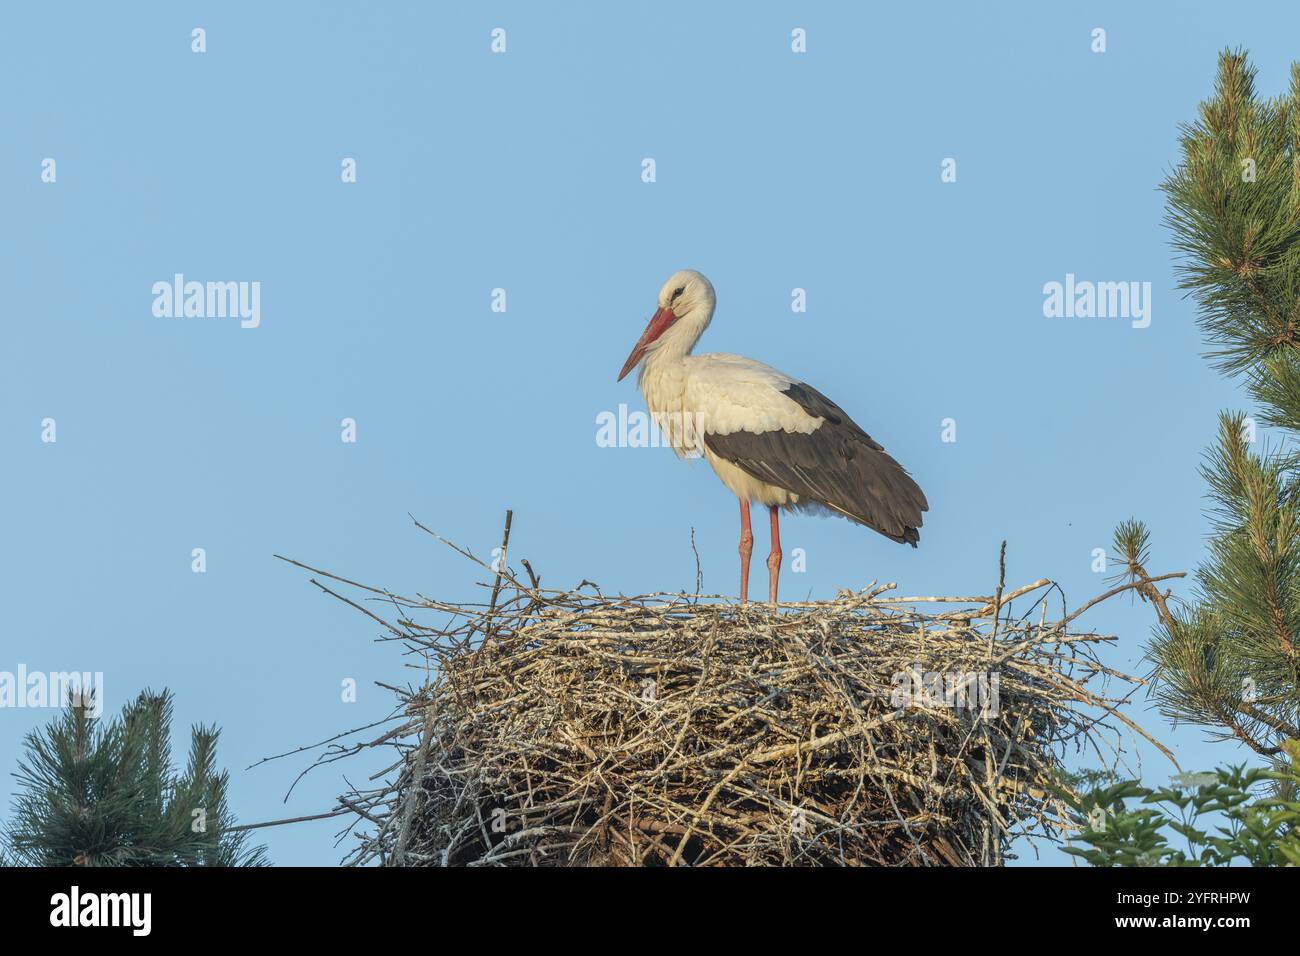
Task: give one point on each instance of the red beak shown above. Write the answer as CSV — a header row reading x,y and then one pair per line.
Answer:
x,y
657,327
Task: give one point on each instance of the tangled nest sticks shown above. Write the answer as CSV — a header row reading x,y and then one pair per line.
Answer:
x,y
563,728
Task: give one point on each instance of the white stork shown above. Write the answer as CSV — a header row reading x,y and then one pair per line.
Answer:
x,y
769,438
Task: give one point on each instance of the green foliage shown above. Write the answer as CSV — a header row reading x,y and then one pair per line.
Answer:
x,y
1133,542
1234,209
96,793
1221,821
1230,659
1227,661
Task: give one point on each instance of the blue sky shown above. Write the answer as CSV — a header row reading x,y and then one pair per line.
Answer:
x,y
522,171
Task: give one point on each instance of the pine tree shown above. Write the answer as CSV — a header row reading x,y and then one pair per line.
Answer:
x,y
105,794
1227,659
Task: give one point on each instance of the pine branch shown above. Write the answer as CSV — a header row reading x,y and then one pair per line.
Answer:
x,y
103,793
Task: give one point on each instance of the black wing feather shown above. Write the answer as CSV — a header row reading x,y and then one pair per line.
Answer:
x,y
838,466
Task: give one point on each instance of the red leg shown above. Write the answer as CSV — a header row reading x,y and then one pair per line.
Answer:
x,y
746,548
774,559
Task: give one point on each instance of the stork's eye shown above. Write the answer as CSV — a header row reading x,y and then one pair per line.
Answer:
x,y
677,292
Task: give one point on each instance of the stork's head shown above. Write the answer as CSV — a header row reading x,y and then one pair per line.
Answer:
x,y
686,303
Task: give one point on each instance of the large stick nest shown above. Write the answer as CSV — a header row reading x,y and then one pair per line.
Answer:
x,y
562,728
